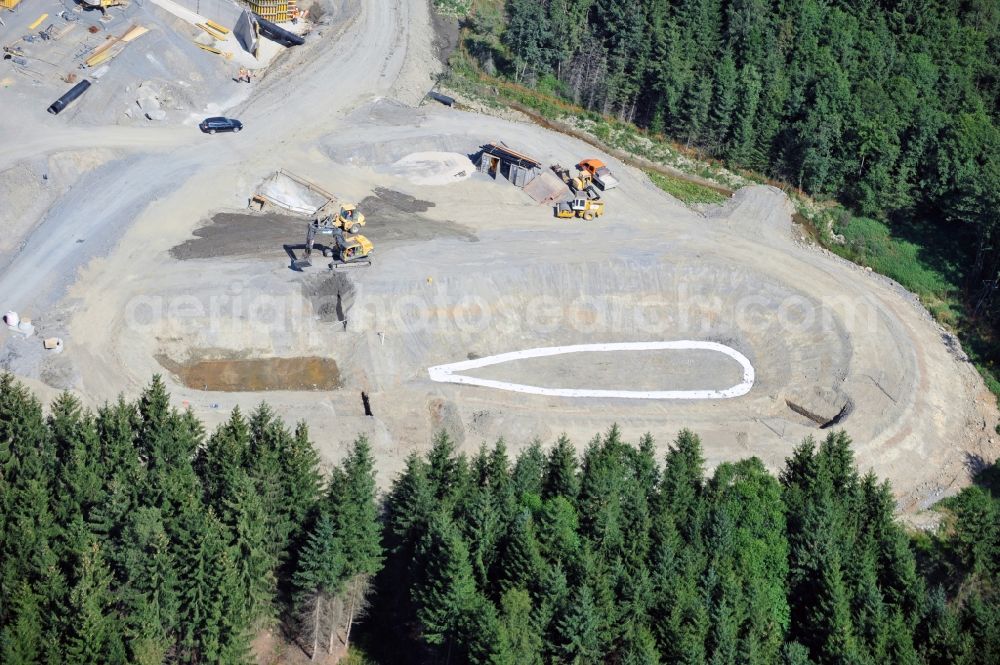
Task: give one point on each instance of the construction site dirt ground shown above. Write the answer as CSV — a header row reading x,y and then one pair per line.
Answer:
x,y
151,262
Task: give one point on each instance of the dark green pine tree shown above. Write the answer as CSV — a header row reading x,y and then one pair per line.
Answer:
x,y
444,589
445,470
22,635
301,478
166,440
640,647
681,486
899,642
352,503
578,627
211,625
528,470
220,461
318,579
831,616
92,631
27,462
521,565
79,476
558,531
939,637
644,466
977,528
725,100
723,642
501,484
526,36
268,442
124,475
285,469
149,594
870,616
554,595
524,640
253,560
981,622
561,472
896,566
408,507
481,527
603,483
484,636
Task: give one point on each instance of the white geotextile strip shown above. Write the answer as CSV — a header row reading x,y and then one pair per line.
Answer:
x,y
447,373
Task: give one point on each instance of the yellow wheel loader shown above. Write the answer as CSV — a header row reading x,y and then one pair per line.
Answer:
x,y
349,218
579,207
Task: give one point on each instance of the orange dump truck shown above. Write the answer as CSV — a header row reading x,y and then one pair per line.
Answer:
x,y
601,173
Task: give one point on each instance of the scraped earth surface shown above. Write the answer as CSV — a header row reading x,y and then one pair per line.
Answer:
x,y
172,266
621,370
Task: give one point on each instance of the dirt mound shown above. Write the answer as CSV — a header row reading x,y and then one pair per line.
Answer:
x,y
242,234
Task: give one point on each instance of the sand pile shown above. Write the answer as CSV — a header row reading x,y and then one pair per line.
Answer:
x,y
433,168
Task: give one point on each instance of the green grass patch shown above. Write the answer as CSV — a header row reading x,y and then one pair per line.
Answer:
x,y
686,191
453,7
868,242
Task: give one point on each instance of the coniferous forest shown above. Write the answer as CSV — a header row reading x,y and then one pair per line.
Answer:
x,y
131,535
890,106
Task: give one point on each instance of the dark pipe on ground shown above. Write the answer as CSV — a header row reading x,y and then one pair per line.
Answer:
x,y
57,106
278,34
444,99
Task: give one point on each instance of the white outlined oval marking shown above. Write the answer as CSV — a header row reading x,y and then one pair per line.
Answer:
x,y
447,373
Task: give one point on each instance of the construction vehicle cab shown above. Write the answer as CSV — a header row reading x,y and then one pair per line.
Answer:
x,y
103,5
354,251
344,250
600,173
580,207
349,218
581,183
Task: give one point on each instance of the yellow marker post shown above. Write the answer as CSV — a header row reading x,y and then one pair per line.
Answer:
x,y
38,21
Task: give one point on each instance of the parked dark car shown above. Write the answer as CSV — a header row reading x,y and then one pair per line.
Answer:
x,y
213,125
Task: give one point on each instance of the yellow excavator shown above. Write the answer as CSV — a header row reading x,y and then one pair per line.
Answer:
x,y
103,5
347,252
580,206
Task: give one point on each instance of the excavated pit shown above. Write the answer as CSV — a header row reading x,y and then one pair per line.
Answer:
x,y
256,374
801,346
331,295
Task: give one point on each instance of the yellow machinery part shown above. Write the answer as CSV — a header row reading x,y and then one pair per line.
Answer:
x,y
203,47
218,28
218,36
98,58
134,33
